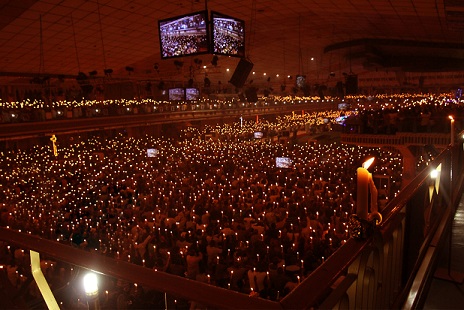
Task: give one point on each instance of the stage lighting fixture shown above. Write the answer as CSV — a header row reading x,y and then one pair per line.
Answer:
x,y
214,61
178,64
207,82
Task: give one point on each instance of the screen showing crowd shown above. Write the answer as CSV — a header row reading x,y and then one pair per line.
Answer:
x,y
228,35
184,35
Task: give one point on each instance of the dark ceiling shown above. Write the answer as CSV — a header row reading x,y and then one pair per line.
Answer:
x,y
283,37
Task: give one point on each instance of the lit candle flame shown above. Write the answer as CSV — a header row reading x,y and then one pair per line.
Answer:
x,y
368,163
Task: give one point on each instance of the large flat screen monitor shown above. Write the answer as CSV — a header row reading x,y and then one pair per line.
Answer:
x,y
177,94
228,35
283,162
184,35
300,81
192,93
152,152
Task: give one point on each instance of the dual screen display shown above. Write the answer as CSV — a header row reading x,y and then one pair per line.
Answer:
x,y
190,35
180,93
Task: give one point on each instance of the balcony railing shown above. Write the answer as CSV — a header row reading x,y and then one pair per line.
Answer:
x,y
74,123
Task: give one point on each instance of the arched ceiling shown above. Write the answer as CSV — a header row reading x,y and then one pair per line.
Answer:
x,y
284,37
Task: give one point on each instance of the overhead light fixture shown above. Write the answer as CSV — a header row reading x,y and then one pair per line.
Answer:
x,y
198,62
179,64
108,71
214,61
207,82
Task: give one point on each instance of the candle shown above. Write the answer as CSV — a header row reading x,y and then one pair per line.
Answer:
x,y
362,189
452,128
374,194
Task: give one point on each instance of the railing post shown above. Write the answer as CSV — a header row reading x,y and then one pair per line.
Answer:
x,y
42,282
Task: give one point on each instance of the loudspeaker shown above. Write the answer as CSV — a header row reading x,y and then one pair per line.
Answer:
x,y
241,73
351,84
251,94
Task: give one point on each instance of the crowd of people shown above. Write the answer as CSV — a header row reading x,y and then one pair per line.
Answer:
x,y
37,110
228,37
374,114
215,210
185,44
423,114
210,206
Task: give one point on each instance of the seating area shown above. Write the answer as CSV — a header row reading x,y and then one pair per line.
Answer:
x,y
211,206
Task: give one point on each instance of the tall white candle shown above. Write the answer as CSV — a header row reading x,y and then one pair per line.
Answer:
x,y
363,189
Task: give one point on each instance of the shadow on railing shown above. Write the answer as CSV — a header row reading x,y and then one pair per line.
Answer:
x,y
389,269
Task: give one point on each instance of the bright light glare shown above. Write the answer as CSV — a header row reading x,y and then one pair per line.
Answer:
x,y
91,284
